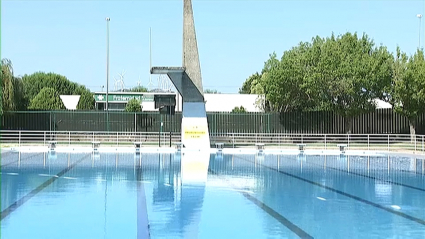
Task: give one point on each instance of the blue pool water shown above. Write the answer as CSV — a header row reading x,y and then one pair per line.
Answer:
x,y
116,195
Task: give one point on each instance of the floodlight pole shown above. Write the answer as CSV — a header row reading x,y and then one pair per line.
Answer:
x,y
107,72
419,16
107,60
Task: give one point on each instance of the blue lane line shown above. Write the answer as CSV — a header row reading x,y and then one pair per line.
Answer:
x,y
410,172
409,217
370,177
6,212
142,212
283,220
16,161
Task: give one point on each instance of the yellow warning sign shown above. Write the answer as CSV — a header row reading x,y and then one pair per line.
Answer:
x,y
195,132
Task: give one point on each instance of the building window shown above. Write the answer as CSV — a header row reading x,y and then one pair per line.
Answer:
x,y
112,106
117,106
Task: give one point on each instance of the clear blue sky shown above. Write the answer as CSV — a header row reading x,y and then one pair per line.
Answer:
x,y
235,37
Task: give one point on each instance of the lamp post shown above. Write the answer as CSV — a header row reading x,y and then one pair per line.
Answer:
x,y
419,16
107,72
107,61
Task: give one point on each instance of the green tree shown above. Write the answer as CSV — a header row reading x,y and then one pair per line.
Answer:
x,y
240,109
258,87
287,83
12,89
139,89
86,101
407,94
256,83
21,102
1,101
341,74
210,91
352,72
8,92
133,105
35,82
259,84
246,86
47,99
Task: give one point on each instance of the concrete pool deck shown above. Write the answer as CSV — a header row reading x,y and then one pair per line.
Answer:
x,y
269,150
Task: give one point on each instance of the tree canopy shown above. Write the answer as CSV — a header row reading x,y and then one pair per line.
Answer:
x,y
246,87
210,91
12,89
239,109
342,73
47,99
8,92
33,84
86,101
139,89
407,91
133,105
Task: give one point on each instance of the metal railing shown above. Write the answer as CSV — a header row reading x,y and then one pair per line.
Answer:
x,y
380,121
72,138
377,142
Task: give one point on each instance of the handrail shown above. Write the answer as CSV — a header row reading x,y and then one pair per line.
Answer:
x,y
379,142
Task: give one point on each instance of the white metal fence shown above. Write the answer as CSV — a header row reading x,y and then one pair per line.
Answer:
x,y
380,142
86,138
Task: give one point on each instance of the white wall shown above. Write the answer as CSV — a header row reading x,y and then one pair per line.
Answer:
x,y
70,101
148,106
380,104
227,102
218,103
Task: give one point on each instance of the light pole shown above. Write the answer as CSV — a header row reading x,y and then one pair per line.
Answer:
x,y
107,61
419,16
107,72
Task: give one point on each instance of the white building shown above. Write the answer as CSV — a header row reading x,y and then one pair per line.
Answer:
x,y
227,102
214,102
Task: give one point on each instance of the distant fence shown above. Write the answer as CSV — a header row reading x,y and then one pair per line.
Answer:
x,y
381,121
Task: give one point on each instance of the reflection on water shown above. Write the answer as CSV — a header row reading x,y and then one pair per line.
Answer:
x,y
52,154
311,191
178,194
194,173
383,192
198,195
194,167
95,155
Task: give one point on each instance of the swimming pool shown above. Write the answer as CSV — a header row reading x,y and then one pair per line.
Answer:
x,y
168,195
